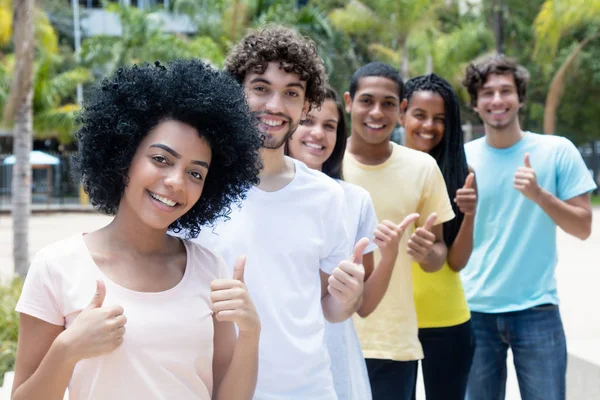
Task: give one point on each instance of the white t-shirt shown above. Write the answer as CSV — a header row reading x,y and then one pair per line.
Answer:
x,y
167,351
288,235
348,365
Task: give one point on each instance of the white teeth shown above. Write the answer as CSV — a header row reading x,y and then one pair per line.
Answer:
x,y
426,136
313,146
163,200
272,122
497,112
375,126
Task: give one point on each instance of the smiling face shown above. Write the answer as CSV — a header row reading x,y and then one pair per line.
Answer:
x,y
424,121
167,174
314,140
279,100
374,110
498,102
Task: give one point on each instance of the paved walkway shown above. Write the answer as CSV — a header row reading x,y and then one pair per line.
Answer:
x,y
578,274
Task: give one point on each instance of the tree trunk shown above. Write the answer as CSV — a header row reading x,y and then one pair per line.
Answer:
x,y
20,109
557,86
21,184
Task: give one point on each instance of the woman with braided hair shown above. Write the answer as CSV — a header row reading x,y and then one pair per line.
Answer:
x,y
432,124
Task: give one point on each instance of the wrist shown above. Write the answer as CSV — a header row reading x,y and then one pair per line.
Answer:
x,y
65,349
250,335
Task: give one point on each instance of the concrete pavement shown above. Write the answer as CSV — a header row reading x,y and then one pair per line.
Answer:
x,y
578,274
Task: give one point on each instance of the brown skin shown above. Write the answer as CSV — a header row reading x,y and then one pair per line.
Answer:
x,y
423,122
135,252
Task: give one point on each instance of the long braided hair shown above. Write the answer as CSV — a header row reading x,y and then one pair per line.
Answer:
x,y
450,152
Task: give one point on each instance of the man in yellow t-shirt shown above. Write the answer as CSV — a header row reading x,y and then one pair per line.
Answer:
x,y
401,181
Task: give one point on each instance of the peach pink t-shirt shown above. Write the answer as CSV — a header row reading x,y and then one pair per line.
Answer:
x,y
167,350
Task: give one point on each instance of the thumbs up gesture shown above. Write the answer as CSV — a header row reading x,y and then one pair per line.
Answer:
x,y
422,240
388,236
347,280
526,180
231,302
466,197
97,330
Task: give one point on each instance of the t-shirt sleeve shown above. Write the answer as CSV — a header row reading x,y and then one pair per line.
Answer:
x,y
573,176
367,223
435,197
38,297
337,242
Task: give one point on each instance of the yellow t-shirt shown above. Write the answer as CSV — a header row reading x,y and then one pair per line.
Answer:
x,y
409,181
439,298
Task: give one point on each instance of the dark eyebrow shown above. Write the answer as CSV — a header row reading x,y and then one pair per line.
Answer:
x,y
263,80
386,97
177,155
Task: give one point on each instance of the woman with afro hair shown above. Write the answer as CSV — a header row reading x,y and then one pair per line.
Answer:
x,y
129,311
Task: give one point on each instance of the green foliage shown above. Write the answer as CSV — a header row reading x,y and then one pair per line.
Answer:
x,y
143,40
9,325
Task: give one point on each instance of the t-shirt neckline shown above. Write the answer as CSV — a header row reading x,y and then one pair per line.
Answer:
x,y
113,284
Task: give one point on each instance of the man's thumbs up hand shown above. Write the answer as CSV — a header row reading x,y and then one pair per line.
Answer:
x,y
388,236
346,283
526,180
422,240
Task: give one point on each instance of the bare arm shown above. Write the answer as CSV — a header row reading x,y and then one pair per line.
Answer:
x,y
573,216
235,363
376,285
460,251
43,368
387,237
466,200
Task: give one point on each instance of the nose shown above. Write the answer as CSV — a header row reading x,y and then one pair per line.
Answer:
x,y
274,104
376,112
174,179
497,97
317,132
428,124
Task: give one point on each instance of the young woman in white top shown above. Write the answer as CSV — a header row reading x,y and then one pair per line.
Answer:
x,y
320,142
163,148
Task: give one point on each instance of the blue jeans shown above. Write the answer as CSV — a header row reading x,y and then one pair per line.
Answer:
x,y
537,340
391,380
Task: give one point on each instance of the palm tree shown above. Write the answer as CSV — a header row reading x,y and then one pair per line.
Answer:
x,y
387,24
19,108
556,19
143,40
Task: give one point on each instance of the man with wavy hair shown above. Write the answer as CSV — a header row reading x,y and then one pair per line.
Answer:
x,y
291,226
528,185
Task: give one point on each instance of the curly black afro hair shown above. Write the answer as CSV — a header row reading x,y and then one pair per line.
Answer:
x,y
294,52
125,107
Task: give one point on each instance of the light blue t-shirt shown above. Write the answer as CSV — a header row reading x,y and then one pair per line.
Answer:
x,y
514,250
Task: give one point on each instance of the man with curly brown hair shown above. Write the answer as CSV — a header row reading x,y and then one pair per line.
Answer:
x,y
528,185
291,226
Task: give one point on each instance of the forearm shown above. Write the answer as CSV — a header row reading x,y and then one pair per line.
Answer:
x,y
376,286
574,220
436,257
460,251
336,311
239,381
51,379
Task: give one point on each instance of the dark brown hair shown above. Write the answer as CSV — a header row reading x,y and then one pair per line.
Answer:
x,y
295,53
478,72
